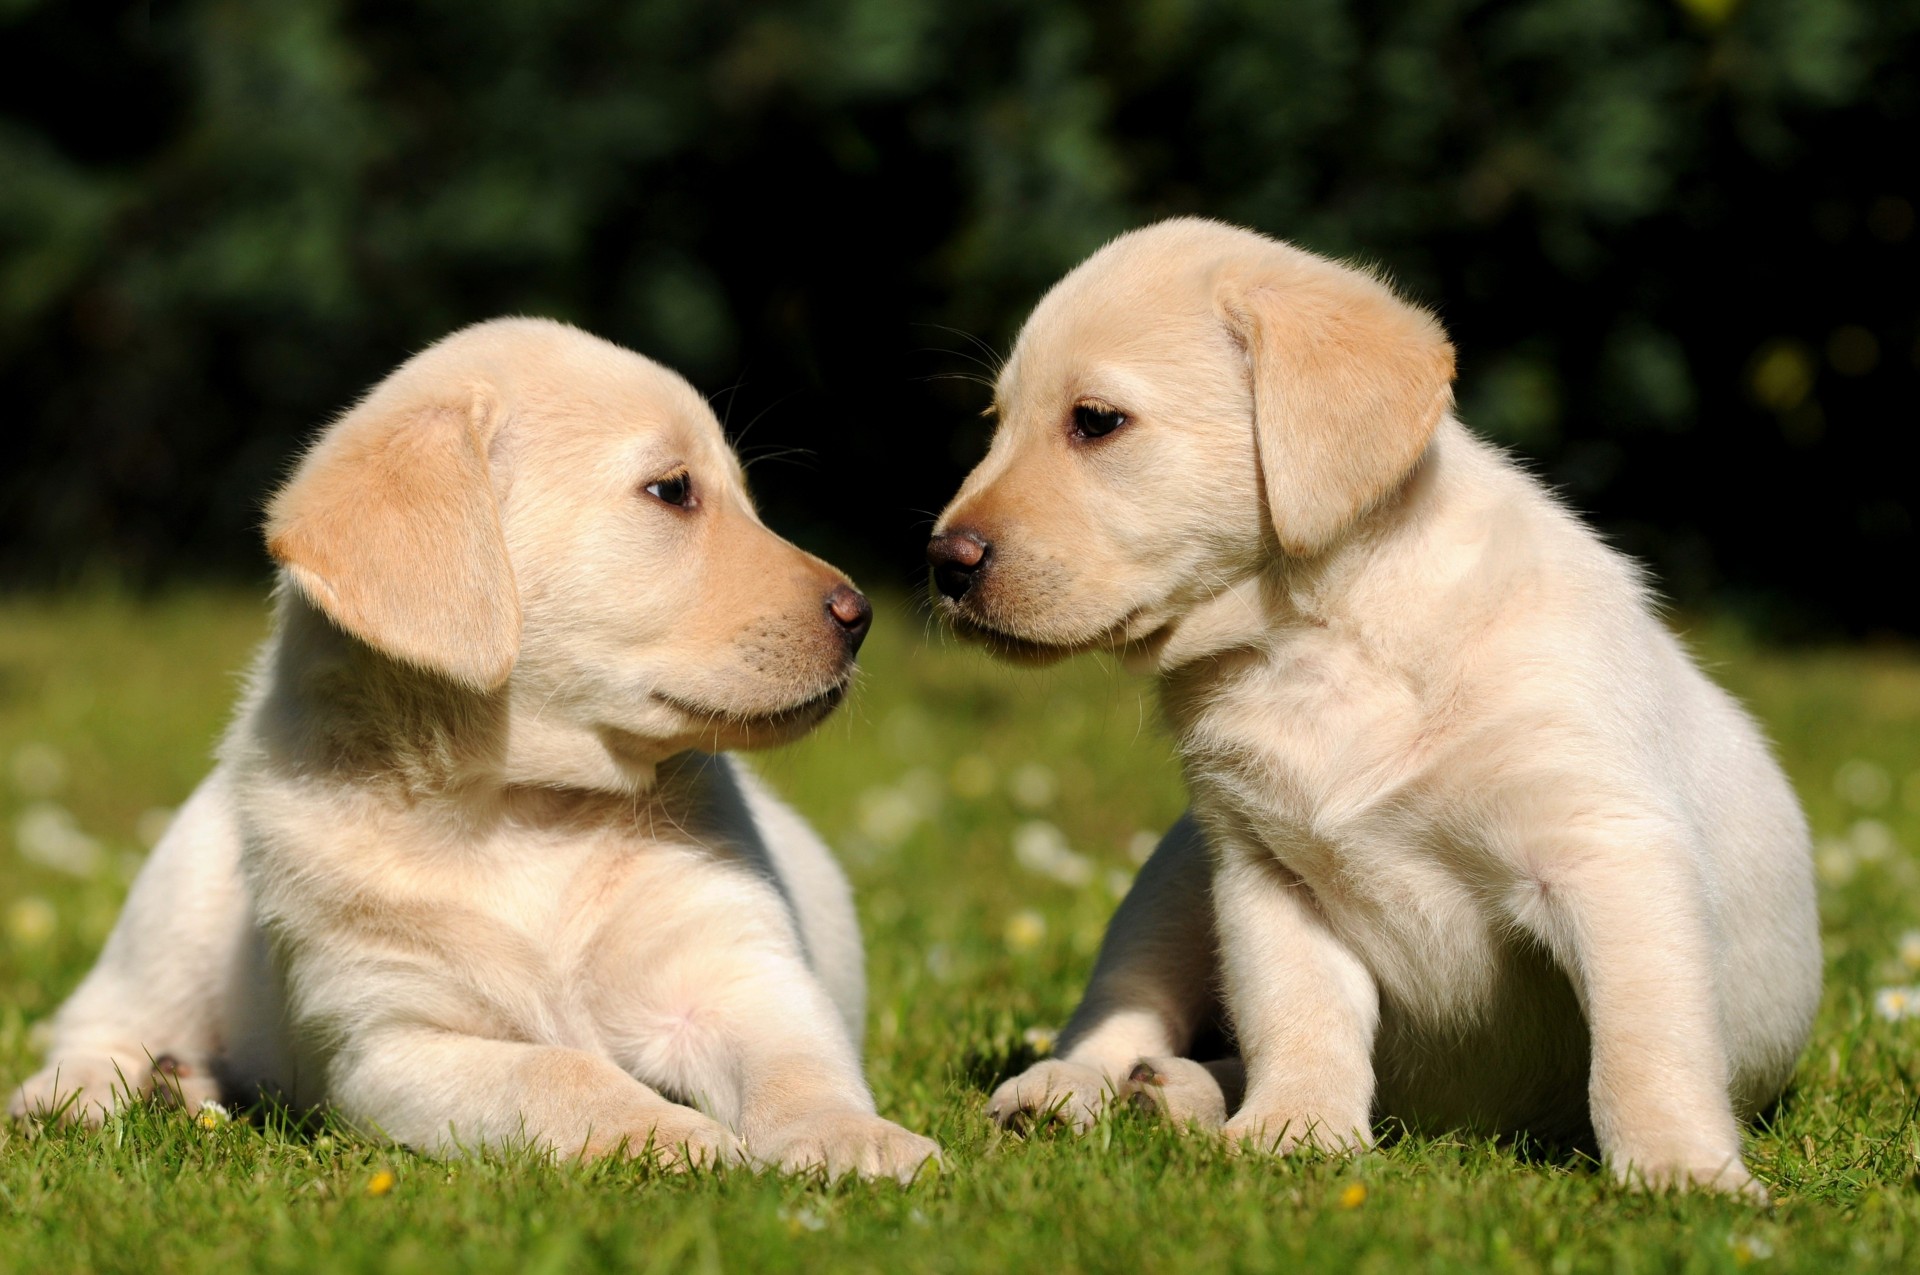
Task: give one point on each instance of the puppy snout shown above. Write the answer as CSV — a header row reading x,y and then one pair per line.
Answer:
x,y
956,558
851,611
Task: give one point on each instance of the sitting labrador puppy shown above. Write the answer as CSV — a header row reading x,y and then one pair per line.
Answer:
x,y
470,870
1473,842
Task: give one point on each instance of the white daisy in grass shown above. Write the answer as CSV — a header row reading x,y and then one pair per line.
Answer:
x,y
1041,848
1897,1003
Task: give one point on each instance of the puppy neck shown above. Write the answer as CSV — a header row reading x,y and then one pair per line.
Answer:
x,y
1414,542
326,704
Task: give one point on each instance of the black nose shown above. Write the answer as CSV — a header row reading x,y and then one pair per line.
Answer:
x,y
956,558
852,612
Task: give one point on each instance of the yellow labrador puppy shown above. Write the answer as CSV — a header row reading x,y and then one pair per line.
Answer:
x,y
470,871
1474,843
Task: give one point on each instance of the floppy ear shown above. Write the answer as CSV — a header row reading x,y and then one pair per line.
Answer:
x,y
1349,383
391,526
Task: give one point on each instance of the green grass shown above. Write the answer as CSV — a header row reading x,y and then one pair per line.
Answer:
x,y
108,710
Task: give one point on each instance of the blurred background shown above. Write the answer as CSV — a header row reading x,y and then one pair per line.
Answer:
x,y
1674,241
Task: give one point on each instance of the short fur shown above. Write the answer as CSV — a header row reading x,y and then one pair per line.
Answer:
x,y
471,870
1474,844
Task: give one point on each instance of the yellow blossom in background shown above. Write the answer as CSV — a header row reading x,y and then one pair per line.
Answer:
x,y
1781,376
1026,929
1353,1195
31,921
1748,1249
1710,13
381,1182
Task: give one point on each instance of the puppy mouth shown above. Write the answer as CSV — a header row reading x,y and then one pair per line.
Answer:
x,y
1006,645
803,713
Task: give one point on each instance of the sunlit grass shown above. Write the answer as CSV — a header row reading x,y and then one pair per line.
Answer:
x,y
989,818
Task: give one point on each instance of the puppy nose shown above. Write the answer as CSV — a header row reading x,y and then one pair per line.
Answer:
x,y
852,612
955,558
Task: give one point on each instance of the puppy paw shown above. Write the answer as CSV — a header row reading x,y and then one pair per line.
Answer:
x,y
1053,1090
81,1089
1723,1176
1181,1090
679,1140
842,1142
1281,1133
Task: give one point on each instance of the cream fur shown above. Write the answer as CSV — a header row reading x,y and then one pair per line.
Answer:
x,y
1474,843
472,869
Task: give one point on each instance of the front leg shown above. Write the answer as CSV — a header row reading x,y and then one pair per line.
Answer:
x,y
1625,915
1303,1006
445,1093
751,1036
1150,992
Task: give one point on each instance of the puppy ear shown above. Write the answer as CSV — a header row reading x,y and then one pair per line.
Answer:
x,y
1349,383
391,526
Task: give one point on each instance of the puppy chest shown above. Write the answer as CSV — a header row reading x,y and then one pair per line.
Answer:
x,y
1393,889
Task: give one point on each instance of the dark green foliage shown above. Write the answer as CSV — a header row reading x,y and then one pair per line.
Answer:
x,y
1674,239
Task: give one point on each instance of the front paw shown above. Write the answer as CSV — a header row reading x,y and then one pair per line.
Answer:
x,y
1051,1090
1282,1132
1180,1090
680,1140
1721,1175
842,1142
80,1089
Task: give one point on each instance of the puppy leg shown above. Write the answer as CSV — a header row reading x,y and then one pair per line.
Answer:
x,y
159,989
802,1102
1304,1009
1629,926
448,1094
1151,988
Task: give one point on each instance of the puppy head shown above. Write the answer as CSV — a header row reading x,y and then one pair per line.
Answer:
x,y
532,513
1190,401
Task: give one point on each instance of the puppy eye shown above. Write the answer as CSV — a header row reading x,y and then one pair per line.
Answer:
x,y
676,489
1090,420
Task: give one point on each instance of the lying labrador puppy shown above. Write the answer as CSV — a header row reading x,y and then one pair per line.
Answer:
x,y
1478,844
470,870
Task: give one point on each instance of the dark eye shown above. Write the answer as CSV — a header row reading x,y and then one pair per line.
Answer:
x,y
1091,420
676,489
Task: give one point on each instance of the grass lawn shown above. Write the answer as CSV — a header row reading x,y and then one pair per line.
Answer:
x,y
927,783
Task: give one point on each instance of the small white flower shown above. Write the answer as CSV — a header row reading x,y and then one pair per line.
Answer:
x,y
1835,861
1897,1003
1032,786
1119,881
924,789
887,815
49,835
803,1218
1863,783
1872,840
212,1115
1141,845
1748,1249
1040,1040
1041,848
